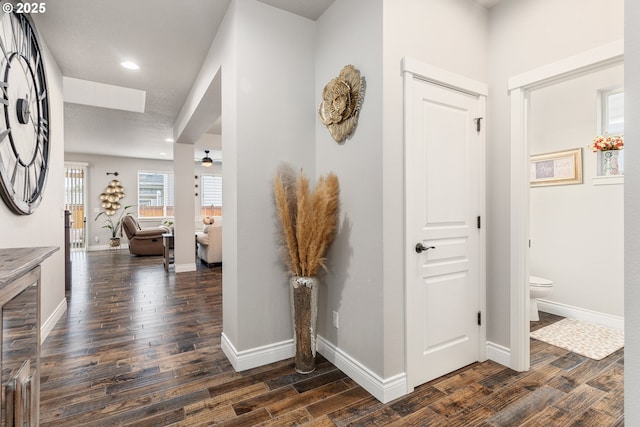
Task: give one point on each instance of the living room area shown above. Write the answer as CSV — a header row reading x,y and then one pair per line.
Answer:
x,y
148,197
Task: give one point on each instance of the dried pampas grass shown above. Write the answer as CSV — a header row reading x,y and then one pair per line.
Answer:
x,y
309,219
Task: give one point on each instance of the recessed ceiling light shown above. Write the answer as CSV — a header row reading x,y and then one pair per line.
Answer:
x,y
163,154
168,140
130,65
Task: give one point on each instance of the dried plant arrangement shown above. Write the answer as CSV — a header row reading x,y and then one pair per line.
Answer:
x,y
309,219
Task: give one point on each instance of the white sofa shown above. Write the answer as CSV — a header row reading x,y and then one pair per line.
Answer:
x,y
209,242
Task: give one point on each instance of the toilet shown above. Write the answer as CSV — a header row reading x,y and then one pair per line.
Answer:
x,y
538,288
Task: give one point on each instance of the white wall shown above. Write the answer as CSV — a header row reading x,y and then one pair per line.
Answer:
x,y
577,231
451,35
45,227
275,123
366,279
220,62
632,215
97,180
185,211
265,57
354,286
525,34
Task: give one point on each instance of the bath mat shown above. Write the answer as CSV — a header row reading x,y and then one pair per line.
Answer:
x,y
586,339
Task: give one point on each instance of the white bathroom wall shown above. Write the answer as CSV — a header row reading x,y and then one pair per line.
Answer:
x,y
577,231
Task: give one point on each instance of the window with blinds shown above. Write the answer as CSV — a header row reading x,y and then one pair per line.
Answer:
x,y
211,195
155,194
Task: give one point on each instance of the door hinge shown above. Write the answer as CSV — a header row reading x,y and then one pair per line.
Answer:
x,y
479,223
479,318
477,121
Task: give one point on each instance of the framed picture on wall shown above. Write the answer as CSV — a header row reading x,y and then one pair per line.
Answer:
x,y
559,168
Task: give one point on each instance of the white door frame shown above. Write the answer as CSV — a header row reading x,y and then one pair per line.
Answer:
x,y
520,87
412,70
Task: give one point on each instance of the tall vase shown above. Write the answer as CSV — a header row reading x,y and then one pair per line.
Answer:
x,y
611,162
304,314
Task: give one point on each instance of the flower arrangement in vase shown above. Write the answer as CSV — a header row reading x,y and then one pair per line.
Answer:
x,y
309,220
608,149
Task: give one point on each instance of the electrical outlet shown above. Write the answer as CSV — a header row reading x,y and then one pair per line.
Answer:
x,y
336,320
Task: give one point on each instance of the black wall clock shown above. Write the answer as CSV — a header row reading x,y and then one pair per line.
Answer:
x,y
24,115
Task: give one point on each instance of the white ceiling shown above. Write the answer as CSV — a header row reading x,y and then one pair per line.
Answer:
x,y
169,39
311,9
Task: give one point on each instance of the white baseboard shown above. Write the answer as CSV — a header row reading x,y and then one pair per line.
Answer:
x,y
184,268
498,353
259,356
383,389
50,323
565,310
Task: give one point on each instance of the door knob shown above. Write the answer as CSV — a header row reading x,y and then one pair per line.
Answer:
x,y
421,248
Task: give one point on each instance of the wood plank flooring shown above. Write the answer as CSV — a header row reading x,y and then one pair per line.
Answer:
x,y
141,347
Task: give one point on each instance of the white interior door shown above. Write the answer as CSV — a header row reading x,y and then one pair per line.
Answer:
x,y
445,189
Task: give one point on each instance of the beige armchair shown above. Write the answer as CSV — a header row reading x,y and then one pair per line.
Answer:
x,y
210,243
147,241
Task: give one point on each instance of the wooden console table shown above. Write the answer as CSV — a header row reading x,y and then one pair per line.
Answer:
x,y
20,321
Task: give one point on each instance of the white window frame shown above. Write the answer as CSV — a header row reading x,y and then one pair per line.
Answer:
x,y
603,109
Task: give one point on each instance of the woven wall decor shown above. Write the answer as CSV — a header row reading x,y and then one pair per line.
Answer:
x,y
110,199
341,101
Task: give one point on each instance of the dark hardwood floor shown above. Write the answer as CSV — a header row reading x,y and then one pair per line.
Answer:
x,y
141,347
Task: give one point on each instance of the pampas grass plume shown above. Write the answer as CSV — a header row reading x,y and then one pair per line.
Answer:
x,y
309,219
283,188
304,229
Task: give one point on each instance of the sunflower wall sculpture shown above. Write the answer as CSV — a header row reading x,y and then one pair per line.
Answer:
x,y
341,101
